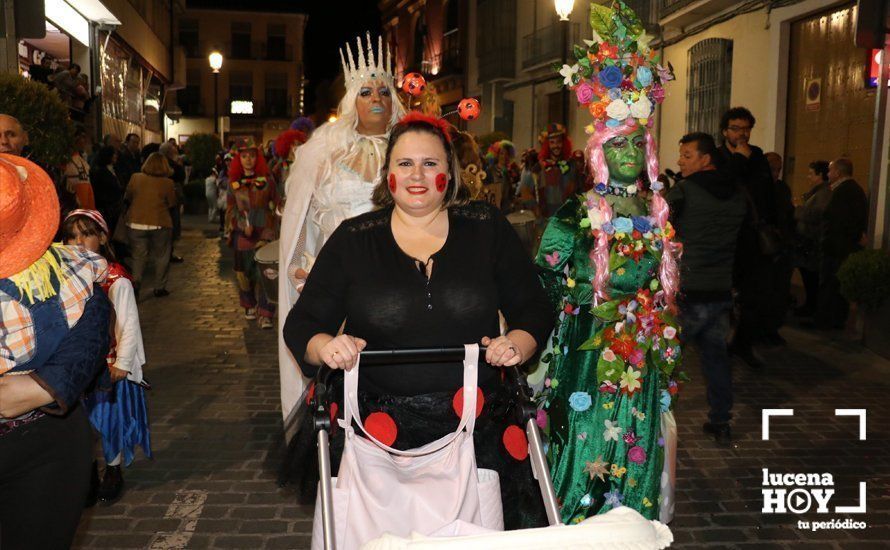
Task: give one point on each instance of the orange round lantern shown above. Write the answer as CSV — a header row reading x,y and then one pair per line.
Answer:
x,y
414,84
469,109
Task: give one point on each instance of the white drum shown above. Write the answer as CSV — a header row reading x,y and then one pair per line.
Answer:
x,y
525,224
266,259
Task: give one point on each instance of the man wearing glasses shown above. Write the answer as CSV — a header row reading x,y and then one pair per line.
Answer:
x,y
754,257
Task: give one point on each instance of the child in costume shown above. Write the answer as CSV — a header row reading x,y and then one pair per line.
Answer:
x,y
253,222
118,413
610,377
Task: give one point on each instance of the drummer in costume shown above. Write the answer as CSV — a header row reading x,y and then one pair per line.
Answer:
x,y
252,220
331,179
609,265
558,177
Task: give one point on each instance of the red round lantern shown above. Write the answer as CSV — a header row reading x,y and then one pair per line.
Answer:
x,y
469,109
414,84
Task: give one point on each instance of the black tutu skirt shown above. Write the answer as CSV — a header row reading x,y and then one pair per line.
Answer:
x,y
414,421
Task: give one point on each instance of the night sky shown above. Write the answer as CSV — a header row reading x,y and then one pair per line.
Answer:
x,y
331,24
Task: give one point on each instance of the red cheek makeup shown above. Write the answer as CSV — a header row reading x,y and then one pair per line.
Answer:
x,y
392,183
441,183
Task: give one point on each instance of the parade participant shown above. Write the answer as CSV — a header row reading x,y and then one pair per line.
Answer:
x,y
426,269
472,173
53,335
285,148
558,177
252,220
609,267
331,179
502,171
527,193
118,413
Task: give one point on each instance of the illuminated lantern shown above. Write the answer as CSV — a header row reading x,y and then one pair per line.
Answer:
x,y
414,84
469,109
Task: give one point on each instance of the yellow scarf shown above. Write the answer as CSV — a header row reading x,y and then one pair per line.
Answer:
x,y
35,283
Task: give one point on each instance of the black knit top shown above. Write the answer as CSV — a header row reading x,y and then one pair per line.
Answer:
x,y
363,277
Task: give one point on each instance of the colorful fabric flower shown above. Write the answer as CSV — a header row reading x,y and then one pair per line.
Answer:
x,y
622,225
596,218
601,188
641,223
657,93
641,108
636,454
568,73
541,418
664,74
665,401
644,76
669,333
586,500
580,401
617,471
614,93
597,468
612,431
637,357
609,77
608,355
552,258
656,185
584,93
608,228
597,109
608,387
618,110
630,438
614,498
630,380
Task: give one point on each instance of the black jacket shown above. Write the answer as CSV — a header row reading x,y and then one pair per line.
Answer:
x,y
707,210
844,221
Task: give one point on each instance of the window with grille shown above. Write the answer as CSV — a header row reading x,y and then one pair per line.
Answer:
x,y
276,94
709,85
275,42
240,85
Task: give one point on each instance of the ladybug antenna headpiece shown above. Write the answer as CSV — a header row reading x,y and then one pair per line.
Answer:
x,y
439,123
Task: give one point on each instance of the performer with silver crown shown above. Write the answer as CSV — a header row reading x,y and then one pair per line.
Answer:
x,y
332,178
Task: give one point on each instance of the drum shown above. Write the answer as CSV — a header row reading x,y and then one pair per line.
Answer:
x,y
524,222
266,259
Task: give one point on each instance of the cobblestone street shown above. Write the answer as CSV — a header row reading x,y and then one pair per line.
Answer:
x,y
216,430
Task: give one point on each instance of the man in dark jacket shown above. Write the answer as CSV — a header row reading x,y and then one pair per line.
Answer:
x,y
844,222
707,210
128,160
747,164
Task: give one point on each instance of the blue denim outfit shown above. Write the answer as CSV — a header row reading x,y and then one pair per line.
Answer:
x,y
706,325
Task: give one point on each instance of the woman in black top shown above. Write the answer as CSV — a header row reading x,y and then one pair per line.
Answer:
x,y
107,189
424,270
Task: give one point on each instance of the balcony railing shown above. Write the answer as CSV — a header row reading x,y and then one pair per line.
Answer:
x,y
667,7
449,60
546,45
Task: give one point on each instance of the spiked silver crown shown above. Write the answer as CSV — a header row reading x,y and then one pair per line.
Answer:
x,y
364,66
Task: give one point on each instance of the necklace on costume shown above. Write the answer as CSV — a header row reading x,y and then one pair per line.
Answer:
x,y
617,190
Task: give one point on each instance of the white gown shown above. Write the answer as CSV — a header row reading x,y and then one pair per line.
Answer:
x,y
316,205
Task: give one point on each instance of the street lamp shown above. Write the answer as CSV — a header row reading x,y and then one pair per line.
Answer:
x,y
216,61
564,10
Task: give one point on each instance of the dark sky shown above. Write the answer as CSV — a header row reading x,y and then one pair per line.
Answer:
x,y
331,24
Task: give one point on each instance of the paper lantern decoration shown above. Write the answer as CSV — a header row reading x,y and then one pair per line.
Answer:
x,y
414,84
469,109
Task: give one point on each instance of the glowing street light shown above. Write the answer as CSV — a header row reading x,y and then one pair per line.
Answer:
x,y
216,60
564,8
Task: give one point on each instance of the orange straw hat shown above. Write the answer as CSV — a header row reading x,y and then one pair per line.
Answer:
x,y
29,213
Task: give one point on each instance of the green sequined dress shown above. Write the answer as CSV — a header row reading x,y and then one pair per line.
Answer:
x,y
610,369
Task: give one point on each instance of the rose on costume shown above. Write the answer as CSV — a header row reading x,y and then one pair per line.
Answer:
x,y
669,333
614,93
641,224
665,401
641,108
610,77
630,438
617,111
598,109
636,454
541,418
580,401
608,355
657,93
584,93
644,76
595,217
623,225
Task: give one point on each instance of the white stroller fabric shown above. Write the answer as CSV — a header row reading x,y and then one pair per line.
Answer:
x,y
620,529
383,490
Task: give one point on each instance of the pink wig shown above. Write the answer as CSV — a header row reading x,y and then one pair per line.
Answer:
x,y
658,209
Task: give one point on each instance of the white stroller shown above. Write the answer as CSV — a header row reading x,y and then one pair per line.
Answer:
x,y
624,529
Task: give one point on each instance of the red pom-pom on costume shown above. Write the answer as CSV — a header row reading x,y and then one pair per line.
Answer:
x,y
414,84
469,109
441,124
441,182
458,402
515,442
382,427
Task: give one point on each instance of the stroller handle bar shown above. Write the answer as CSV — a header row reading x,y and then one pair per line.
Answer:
x,y
415,355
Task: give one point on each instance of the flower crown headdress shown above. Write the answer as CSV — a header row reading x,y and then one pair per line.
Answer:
x,y
617,75
364,66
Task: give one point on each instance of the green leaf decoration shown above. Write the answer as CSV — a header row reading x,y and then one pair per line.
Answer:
x,y
601,20
584,223
629,20
589,344
616,261
584,62
611,371
587,71
607,311
556,66
593,49
579,52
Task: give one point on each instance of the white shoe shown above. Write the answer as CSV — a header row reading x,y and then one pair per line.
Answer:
x,y
250,313
265,323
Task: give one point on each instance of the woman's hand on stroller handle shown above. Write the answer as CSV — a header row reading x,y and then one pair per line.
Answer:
x,y
341,352
502,352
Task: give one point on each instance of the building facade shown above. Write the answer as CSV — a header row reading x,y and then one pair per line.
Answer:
x,y
429,37
259,88
124,46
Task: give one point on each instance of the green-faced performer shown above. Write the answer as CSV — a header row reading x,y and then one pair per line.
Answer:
x,y
609,380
